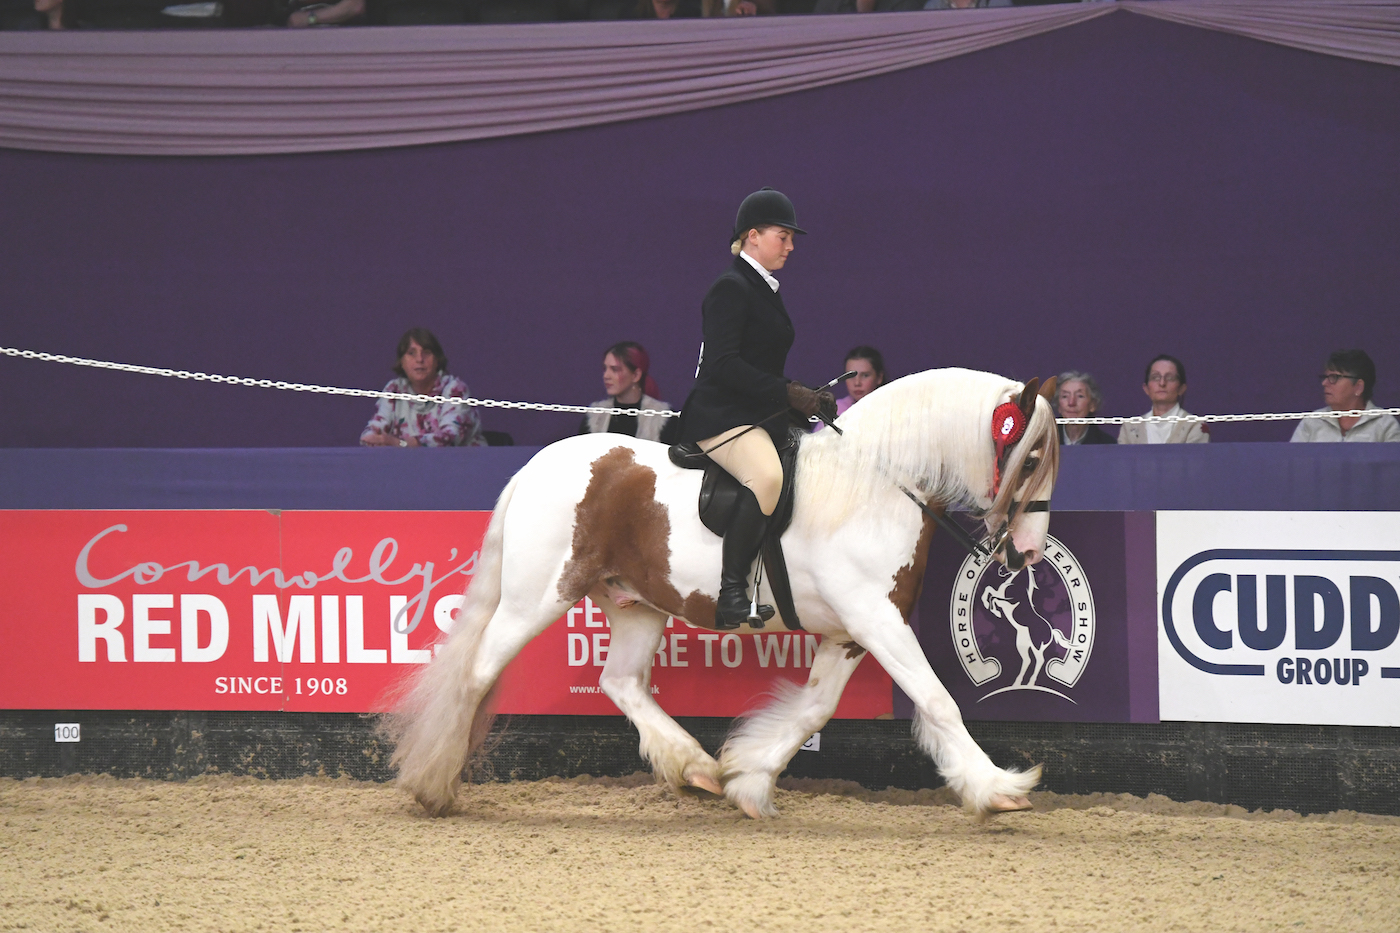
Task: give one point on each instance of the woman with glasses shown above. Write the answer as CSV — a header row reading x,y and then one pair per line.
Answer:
x,y
1348,379
1165,384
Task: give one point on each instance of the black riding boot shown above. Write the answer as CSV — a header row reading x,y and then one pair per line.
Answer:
x,y
742,541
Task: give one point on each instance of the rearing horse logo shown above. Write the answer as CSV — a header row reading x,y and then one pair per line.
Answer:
x,y
1030,629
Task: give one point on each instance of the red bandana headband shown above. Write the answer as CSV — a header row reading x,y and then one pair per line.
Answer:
x,y
1008,424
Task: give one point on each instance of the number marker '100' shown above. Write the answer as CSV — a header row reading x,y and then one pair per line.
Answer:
x,y
324,685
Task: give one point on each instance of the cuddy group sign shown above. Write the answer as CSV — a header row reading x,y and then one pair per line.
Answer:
x,y
1279,617
315,611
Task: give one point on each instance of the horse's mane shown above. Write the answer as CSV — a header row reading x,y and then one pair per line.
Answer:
x,y
930,431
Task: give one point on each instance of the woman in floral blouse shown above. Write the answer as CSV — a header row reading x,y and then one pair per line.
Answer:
x,y
422,369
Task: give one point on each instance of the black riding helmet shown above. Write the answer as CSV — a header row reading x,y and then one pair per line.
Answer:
x,y
765,208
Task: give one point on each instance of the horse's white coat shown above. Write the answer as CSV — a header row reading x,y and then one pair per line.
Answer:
x,y
852,532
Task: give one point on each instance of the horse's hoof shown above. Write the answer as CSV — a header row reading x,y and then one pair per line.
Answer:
x,y
706,783
1001,803
751,810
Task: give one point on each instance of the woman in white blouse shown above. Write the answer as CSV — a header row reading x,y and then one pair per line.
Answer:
x,y
1165,384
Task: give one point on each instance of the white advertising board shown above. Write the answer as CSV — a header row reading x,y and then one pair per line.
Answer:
x,y
1279,617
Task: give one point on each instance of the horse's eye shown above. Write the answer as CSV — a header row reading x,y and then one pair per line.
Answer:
x,y
1030,464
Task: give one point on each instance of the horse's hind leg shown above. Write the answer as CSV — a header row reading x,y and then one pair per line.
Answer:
x,y
449,710
676,758
764,742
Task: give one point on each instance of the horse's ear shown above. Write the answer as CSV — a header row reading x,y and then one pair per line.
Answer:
x,y
1027,400
1047,391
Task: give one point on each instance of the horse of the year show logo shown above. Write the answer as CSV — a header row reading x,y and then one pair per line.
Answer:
x,y
1024,630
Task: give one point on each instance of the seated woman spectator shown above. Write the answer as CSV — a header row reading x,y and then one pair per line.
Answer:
x,y
868,364
1165,384
869,367
422,370
628,382
667,9
1348,379
1078,396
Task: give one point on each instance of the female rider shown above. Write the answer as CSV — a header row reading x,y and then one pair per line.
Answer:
x,y
739,385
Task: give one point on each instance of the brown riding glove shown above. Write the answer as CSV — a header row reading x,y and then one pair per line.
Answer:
x,y
828,405
805,400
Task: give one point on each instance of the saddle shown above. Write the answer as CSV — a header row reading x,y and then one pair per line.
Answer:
x,y
719,494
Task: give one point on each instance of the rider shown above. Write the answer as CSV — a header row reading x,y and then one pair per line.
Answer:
x,y
740,385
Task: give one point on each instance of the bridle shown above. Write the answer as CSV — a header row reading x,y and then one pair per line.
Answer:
x,y
998,542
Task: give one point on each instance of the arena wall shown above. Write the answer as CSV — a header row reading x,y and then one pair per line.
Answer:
x,y
1084,199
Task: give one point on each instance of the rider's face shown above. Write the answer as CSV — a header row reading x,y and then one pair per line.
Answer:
x,y
770,246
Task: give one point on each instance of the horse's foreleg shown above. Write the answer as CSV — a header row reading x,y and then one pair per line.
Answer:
x,y
938,725
676,758
764,742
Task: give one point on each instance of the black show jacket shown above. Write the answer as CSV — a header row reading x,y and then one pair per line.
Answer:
x,y
747,336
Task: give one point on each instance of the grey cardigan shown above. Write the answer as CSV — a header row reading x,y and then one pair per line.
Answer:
x,y
648,429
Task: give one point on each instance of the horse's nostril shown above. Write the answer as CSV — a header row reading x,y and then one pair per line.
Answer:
x,y
1032,556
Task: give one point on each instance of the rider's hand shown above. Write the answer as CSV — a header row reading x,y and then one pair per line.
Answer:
x,y
803,399
827,405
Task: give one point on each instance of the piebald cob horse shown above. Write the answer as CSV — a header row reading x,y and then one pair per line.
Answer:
x,y
610,517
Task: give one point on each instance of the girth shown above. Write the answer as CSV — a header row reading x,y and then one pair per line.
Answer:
x,y
719,495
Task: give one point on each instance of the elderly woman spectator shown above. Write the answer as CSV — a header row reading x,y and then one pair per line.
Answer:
x,y
1078,396
1165,384
421,369
1348,379
627,380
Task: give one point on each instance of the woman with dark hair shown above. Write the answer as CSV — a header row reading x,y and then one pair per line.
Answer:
x,y
1164,383
868,364
1348,381
737,411
421,368
627,380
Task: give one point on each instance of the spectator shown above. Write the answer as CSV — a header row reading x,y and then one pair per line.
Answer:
x,y
668,9
422,370
1348,379
52,11
319,13
966,5
1165,384
628,382
1078,396
869,367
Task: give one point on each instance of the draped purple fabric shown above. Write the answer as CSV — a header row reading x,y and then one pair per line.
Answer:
x,y
1368,30
256,92
241,93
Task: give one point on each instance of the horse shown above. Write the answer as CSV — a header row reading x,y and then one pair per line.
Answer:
x,y
610,517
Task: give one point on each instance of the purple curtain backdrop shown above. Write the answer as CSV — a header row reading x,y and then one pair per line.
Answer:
x,y
178,92
1085,198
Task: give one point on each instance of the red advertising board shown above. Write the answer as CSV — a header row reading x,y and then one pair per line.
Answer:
x,y
265,610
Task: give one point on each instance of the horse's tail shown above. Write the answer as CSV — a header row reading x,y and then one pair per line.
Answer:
x,y
443,716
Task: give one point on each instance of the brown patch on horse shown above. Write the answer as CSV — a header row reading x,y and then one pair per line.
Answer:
x,y
699,609
909,579
853,650
620,530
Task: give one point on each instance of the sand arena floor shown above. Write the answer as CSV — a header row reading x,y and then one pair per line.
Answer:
x,y
234,854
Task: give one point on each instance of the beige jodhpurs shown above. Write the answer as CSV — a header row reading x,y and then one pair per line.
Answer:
x,y
753,461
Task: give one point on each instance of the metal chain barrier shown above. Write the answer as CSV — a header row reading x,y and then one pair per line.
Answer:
x,y
326,390
588,410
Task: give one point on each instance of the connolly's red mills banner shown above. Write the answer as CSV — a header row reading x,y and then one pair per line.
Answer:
x,y
267,610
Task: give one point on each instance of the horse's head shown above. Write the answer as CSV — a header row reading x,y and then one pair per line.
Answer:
x,y
1019,516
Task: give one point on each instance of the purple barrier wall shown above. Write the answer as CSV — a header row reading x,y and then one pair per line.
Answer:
x,y
1086,198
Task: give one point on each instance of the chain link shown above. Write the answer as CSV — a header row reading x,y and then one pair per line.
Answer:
x,y
327,390
588,410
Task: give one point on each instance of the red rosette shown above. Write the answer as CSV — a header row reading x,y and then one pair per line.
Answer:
x,y
1008,424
